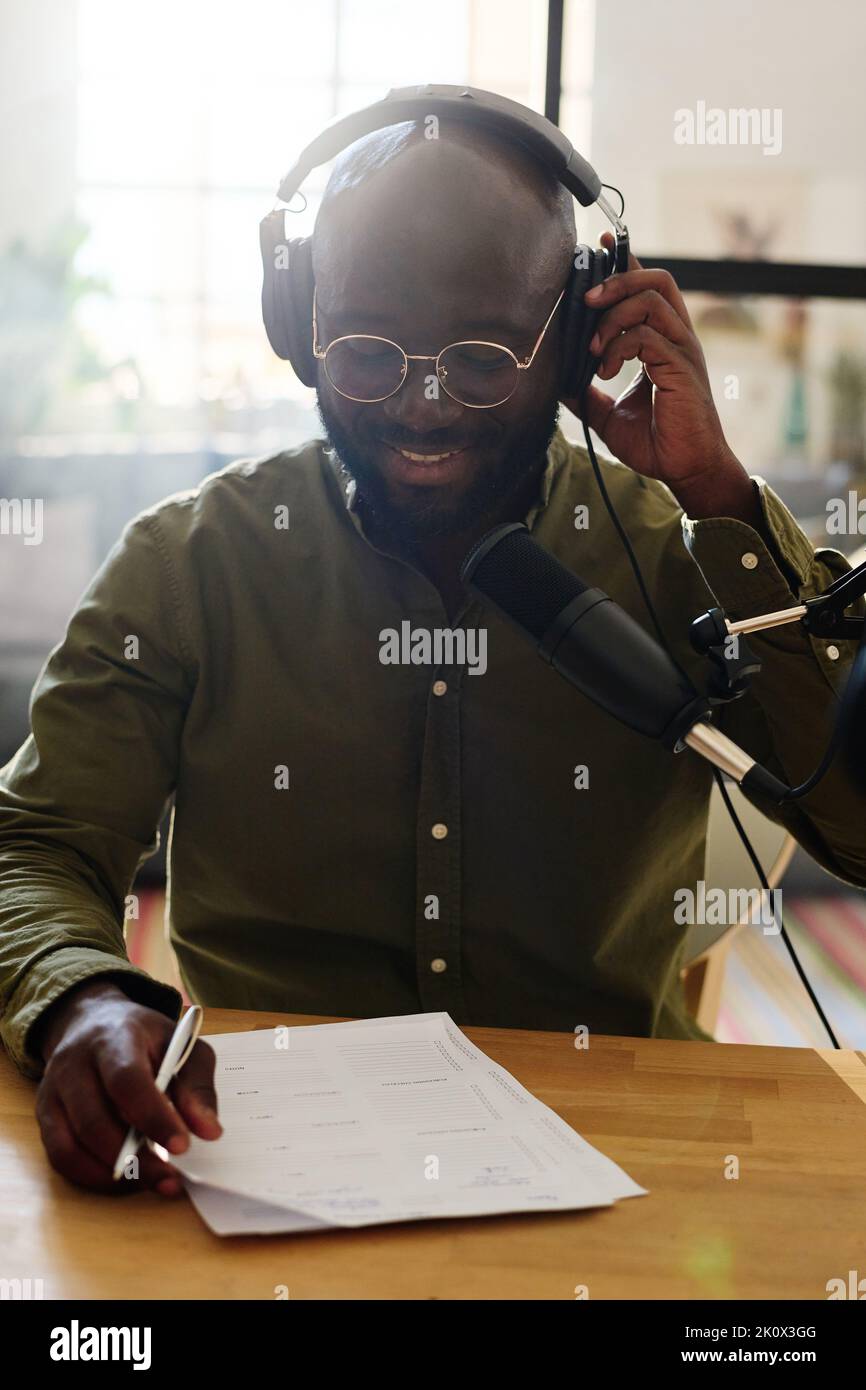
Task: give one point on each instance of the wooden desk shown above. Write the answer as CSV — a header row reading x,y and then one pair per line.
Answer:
x,y
668,1112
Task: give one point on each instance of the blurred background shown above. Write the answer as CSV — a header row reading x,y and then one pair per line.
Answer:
x,y
143,144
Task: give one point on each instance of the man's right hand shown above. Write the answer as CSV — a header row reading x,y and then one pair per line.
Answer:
x,y
102,1053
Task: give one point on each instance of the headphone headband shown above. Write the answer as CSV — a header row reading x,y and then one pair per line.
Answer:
x,y
288,281
470,105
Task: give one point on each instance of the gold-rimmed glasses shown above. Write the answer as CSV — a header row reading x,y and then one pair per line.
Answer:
x,y
478,374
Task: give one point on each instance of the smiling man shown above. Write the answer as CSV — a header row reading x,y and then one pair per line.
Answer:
x,y
353,836
392,257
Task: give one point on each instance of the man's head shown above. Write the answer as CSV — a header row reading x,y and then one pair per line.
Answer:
x,y
428,242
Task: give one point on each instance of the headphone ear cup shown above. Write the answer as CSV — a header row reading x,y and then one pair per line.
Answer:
x,y
287,295
590,268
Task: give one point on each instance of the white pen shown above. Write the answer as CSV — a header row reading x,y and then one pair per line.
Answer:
x,y
181,1045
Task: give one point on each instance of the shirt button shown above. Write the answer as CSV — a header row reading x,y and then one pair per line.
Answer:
x,y
438,965
833,653
749,561
440,831
439,687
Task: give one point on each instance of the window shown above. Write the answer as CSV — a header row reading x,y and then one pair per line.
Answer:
x,y
187,116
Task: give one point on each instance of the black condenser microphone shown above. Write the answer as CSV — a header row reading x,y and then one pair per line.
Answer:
x,y
602,651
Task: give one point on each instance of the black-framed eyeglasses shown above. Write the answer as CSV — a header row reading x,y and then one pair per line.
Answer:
x,y
363,367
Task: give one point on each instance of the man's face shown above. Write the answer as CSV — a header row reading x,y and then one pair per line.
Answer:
x,y
417,270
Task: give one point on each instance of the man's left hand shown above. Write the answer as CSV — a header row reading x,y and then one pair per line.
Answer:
x,y
665,424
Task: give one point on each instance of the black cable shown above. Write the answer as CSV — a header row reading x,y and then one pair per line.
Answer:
x,y
824,766
611,511
615,190
720,783
819,772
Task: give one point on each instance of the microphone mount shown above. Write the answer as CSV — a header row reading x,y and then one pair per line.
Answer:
x,y
733,663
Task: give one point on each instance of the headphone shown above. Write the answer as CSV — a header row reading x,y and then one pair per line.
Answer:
x,y
288,283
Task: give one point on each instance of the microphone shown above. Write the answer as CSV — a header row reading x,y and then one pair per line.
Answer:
x,y
602,651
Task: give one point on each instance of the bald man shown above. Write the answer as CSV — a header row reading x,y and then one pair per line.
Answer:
x,y
383,802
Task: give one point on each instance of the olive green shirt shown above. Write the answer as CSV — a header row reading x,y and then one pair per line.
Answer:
x,y
359,838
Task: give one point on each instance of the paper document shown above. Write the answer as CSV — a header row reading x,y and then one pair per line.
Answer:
x,y
386,1119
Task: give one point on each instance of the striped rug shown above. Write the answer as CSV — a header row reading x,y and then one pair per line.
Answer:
x,y
763,1000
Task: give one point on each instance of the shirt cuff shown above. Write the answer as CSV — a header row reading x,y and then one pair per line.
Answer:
x,y
54,974
740,568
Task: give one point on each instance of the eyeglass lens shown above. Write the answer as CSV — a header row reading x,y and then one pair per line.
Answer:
x,y
370,369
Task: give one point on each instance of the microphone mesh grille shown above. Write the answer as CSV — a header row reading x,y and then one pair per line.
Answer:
x,y
525,581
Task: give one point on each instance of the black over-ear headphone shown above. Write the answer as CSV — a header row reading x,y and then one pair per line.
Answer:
x,y
287,287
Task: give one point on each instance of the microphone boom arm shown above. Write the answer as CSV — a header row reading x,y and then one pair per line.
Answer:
x,y
823,616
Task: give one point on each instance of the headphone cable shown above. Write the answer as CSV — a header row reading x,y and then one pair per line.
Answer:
x,y
720,782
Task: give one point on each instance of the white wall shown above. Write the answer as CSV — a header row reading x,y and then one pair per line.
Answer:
x,y
655,56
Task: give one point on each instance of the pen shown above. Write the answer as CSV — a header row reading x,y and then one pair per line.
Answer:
x,y
181,1045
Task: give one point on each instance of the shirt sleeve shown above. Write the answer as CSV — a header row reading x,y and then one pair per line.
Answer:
x,y
81,800
787,718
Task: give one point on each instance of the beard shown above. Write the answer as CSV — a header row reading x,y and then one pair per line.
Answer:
x,y
435,512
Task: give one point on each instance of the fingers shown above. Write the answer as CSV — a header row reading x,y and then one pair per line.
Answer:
x,y
647,307
65,1154
93,1121
647,346
194,1094
633,281
608,240
127,1073
100,1080
71,1136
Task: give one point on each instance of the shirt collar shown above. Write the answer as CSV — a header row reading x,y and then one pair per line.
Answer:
x,y
557,455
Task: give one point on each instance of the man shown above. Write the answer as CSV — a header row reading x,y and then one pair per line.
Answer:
x,y
358,835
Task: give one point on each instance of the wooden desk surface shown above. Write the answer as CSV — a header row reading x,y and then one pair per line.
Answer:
x,y
668,1112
